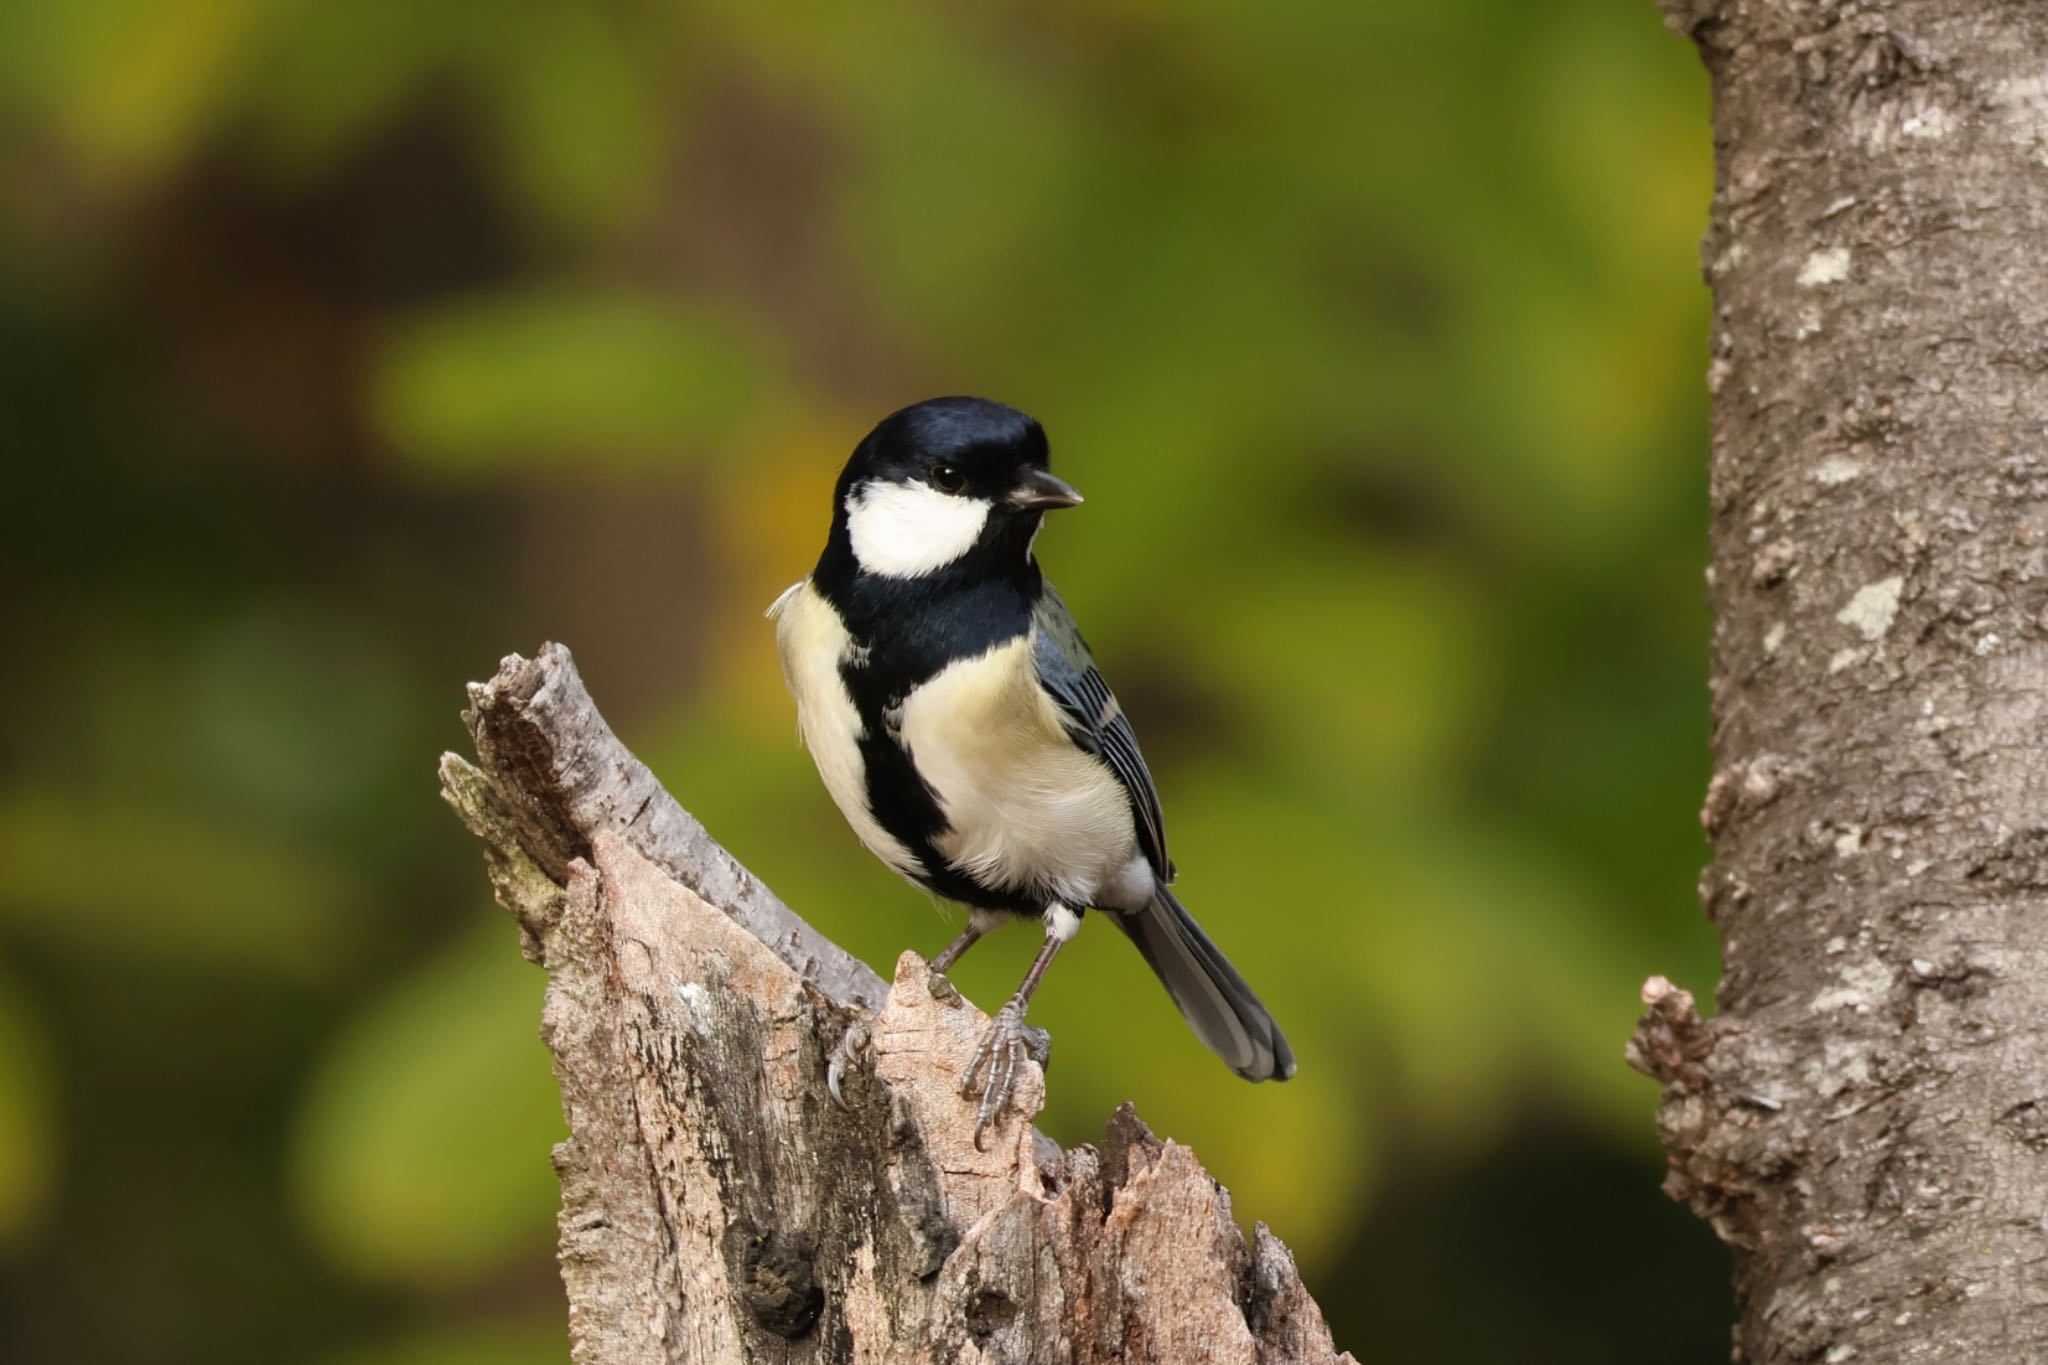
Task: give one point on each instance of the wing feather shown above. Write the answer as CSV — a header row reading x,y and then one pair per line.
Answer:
x,y
1097,723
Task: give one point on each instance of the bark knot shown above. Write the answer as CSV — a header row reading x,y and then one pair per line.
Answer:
x,y
1671,1040
780,1287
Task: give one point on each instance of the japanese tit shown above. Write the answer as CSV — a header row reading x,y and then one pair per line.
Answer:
x,y
959,722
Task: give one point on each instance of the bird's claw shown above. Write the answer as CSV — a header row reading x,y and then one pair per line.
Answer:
x,y
940,987
1002,1049
847,1053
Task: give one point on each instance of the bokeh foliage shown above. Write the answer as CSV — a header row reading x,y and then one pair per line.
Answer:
x,y
347,346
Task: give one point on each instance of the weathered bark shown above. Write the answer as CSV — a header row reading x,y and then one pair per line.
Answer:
x,y
718,1206
1866,1120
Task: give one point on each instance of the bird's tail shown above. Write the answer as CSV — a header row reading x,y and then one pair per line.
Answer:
x,y
1212,997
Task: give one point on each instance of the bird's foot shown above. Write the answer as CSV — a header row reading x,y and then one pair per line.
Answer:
x,y
1002,1050
848,1054
941,988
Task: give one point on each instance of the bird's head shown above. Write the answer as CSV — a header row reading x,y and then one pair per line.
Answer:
x,y
942,480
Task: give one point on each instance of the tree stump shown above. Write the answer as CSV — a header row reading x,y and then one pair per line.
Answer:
x,y
718,1205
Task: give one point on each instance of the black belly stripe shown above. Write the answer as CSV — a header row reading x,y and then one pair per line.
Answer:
x,y
904,805
910,629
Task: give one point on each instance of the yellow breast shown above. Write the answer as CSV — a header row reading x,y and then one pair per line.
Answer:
x,y
1023,804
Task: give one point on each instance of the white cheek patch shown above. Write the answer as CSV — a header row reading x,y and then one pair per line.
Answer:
x,y
908,530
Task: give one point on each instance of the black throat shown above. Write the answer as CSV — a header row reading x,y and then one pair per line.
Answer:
x,y
904,631
913,627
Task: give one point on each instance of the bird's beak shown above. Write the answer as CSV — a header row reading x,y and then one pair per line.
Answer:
x,y
1040,489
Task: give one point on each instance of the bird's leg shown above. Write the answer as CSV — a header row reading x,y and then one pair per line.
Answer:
x,y
957,949
1008,1038
858,1038
979,922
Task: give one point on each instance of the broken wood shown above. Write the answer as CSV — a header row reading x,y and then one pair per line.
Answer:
x,y
718,1206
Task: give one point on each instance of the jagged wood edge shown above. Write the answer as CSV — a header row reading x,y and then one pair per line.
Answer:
x,y
562,776
557,793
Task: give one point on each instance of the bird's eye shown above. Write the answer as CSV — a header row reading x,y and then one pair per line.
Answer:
x,y
947,478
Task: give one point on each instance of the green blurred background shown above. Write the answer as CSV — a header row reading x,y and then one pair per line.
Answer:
x,y
345,347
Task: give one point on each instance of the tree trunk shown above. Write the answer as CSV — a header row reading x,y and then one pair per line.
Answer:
x,y
718,1206
1866,1121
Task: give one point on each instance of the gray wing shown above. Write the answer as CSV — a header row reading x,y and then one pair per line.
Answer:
x,y
1067,672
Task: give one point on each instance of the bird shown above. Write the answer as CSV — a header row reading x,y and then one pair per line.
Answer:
x,y
958,720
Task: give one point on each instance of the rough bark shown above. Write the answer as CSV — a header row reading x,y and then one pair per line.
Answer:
x,y
1866,1120
718,1206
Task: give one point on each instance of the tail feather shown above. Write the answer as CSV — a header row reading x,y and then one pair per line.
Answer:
x,y
1211,996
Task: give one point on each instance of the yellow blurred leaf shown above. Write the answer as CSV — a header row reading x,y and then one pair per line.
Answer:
x,y
579,129
28,1125
422,1148
136,84
558,375
160,882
